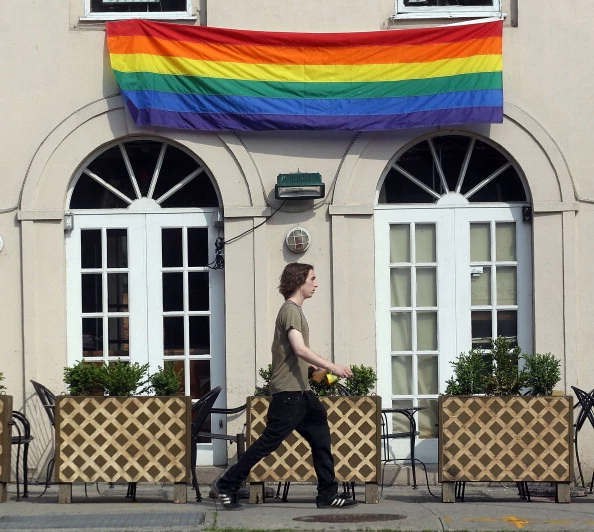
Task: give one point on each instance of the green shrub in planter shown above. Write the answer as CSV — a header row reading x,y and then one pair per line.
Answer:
x,y
470,374
166,382
543,372
84,378
506,376
122,379
118,379
500,372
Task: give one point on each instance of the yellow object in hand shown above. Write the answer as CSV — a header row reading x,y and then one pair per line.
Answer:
x,y
331,378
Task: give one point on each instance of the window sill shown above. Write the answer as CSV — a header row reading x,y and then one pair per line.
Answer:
x,y
106,17
449,14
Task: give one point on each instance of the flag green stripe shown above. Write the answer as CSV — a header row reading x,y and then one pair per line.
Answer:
x,y
271,89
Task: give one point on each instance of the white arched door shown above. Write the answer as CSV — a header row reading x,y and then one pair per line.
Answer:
x,y
143,282
451,273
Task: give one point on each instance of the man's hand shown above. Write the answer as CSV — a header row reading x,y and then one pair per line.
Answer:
x,y
342,371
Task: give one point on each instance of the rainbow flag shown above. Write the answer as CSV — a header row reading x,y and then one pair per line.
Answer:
x,y
192,77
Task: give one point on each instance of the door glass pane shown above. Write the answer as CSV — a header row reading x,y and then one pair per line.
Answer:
x,y
90,248
118,337
197,246
428,418
92,337
199,335
507,288
173,291
400,287
427,375
117,248
480,242
480,287
171,244
173,336
507,325
482,329
402,375
198,290
426,287
425,248
505,241
400,422
399,243
117,292
199,378
401,331
427,331
91,284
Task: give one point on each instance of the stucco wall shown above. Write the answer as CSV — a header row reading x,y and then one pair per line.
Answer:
x,y
59,107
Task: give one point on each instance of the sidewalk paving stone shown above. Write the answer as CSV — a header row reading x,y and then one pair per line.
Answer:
x,y
487,508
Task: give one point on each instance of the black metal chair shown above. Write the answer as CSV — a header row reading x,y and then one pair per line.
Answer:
x,y
411,434
200,412
22,438
586,402
48,401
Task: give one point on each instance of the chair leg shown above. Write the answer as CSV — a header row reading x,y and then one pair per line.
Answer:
x,y
286,491
412,460
577,459
195,485
25,468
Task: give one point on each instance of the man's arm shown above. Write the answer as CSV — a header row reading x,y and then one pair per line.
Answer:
x,y
304,352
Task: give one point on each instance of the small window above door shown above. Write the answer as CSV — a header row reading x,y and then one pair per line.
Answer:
x,y
447,8
128,9
143,173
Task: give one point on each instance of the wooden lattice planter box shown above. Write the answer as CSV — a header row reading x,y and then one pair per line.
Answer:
x,y
505,439
123,439
5,445
355,427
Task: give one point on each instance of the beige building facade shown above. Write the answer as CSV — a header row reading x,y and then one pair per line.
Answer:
x,y
63,112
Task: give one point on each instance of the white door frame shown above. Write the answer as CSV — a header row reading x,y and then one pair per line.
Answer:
x,y
453,291
145,296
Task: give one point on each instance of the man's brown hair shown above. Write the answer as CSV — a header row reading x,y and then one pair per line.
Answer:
x,y
294,275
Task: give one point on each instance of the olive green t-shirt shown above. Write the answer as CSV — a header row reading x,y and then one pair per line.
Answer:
x,y
289,372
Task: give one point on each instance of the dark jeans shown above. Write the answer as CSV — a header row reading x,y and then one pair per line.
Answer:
x,y
290,411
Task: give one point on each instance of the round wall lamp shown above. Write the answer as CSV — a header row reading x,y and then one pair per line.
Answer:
x,y
298,239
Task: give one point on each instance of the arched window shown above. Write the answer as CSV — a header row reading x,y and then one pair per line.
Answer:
x,y
452,164
152,171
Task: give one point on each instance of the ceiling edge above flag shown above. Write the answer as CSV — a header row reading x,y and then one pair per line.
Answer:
x,y
203,78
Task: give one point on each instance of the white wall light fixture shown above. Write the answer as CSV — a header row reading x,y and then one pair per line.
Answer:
x,y
299,186
298,239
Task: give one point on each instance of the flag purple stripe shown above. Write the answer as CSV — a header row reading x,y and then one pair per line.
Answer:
x,y
251,122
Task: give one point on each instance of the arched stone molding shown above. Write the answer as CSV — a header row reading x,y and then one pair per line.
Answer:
x,y
548,176
64,149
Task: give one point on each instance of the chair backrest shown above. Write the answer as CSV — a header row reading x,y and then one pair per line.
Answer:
x,y
48,400
23,428
586,401
201,410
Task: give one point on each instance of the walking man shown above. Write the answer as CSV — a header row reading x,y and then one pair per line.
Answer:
x,y
294,406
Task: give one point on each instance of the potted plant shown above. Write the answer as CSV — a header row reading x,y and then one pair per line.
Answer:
x,y
5,440
355,426
109,430
499,421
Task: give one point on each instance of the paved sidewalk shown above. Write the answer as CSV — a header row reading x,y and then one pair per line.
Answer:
x,y
486,508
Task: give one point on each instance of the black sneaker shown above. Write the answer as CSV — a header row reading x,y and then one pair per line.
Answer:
x,y
228,499
338,501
